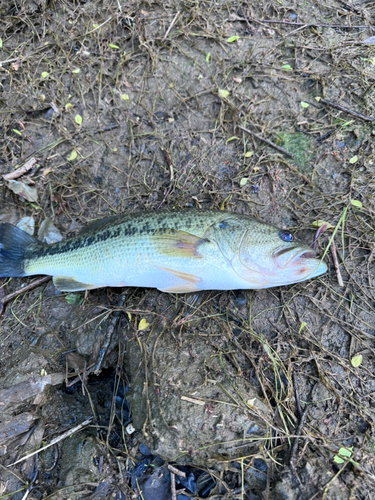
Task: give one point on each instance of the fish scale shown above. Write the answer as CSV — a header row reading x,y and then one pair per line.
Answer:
x,y
172,250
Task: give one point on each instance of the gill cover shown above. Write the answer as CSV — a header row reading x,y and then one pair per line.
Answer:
x,y
231,237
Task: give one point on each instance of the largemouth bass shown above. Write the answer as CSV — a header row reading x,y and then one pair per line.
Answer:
x,y
175,251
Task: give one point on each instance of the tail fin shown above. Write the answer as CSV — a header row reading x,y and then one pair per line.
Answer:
x,y
13,245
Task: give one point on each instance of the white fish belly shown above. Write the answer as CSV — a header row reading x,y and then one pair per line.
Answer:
x,y
118,264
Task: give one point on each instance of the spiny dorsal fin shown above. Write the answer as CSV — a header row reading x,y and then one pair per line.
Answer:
x,y
97,224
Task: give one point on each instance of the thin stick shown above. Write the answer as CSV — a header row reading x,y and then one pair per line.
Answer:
x,y
173,486
290,23
66,434
296,395
108,336
295,443
33,478
175,471
26,288
171,25
274,146
170,165
346,110
293,169
191,400
336,264
302,416
20,171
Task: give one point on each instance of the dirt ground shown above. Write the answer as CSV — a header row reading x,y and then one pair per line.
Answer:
x,y
138,105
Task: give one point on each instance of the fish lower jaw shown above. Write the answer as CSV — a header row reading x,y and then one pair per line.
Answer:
x,y
308,270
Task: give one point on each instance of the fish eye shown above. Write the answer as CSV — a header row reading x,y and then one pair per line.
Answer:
x,y
286,236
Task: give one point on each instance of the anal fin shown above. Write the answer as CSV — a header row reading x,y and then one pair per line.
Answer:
x,y
65,284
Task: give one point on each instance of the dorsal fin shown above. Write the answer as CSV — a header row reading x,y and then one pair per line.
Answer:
x,y
97,224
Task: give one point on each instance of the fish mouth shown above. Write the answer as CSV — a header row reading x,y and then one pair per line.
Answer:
x,y
299,263
303,255
286,257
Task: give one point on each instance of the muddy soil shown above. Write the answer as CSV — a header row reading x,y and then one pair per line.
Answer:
x,y
124,106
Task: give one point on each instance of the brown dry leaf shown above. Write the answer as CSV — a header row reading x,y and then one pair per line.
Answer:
x,y
48,232
27,224
24,190
8,214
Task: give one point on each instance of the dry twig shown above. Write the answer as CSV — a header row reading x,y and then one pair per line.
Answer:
x,y
346,110
336,264
66,434
20,291
269,143
176,471
108,336
302,416
20,171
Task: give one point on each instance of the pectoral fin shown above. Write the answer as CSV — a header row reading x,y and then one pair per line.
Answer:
x,y
70,284
177,243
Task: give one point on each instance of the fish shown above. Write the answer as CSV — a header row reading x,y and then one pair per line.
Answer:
x,y
175,251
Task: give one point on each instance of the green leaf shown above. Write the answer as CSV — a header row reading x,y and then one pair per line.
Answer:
x,y
17,132
45,74
78,119
319,223
249,154
76,70
343,452
74,298
73,155
143,325
232,39
303,324
68,106
113,46
1,43
286,67
233,138
317,98
356,203
223,93
208,55
356,360
305,104
354,159
124,97
243,181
